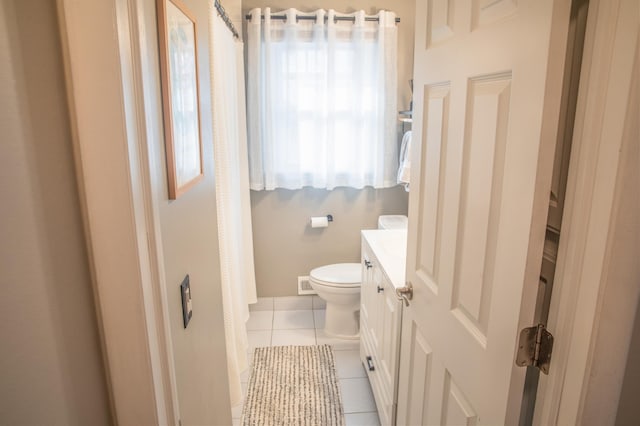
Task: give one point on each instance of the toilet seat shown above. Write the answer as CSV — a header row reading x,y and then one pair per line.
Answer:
x,y
340,275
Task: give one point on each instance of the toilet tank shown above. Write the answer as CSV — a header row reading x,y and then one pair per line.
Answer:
x,y
394,221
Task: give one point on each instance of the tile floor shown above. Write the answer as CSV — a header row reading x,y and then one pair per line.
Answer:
x,y
299,321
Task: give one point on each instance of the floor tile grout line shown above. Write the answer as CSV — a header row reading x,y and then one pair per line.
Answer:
x,y
313,315
273,322
315,326
355,378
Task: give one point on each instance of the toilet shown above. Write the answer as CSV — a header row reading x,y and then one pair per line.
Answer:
x,y
393,221
339,286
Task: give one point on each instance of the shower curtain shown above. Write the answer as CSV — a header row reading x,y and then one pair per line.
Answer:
x,y
232,194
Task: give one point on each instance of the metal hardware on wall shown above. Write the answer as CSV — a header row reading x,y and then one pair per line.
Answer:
x,y
405,116
226,19
248,17
304,286
370,364
187,309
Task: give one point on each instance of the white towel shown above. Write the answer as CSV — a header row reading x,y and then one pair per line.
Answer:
x,y
404,171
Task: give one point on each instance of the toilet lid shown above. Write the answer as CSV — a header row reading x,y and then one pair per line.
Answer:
x,y
339,275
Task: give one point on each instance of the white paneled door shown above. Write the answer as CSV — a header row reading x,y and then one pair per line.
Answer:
x,y
487,85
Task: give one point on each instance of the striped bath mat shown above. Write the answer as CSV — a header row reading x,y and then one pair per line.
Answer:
x,y
293,385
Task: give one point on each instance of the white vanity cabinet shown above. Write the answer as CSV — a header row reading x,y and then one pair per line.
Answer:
x,y
383,264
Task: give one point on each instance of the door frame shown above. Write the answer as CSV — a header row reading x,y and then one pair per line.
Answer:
x,y
101,44
104,69
589,221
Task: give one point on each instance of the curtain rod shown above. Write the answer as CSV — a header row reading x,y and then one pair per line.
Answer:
x,y
314,18
225,18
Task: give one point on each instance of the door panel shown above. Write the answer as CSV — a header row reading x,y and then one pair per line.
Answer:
x,y
487,11
415,375
456,408
436,113
487,117
481,69
439,21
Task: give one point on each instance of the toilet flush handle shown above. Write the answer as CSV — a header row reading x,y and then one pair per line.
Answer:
x,y
405,293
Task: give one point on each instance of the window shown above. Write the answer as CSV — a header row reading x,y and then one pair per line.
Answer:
x,y
322,101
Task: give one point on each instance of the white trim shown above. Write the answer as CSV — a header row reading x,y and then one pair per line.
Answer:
x,y
589,219
145,100
157,302
104,70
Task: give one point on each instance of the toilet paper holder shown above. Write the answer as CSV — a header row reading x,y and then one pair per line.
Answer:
x,y
321,221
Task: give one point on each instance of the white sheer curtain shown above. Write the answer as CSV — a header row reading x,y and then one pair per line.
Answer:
x,y
322,100
232,195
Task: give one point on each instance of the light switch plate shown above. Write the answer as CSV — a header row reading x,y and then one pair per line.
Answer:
x,y
185,291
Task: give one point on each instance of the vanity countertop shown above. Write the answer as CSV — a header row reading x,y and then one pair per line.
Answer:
x,y
390,247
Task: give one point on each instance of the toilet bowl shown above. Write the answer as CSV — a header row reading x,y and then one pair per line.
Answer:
x,y
339,286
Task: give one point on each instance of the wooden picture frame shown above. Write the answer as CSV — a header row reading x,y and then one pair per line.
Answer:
x,y
180,95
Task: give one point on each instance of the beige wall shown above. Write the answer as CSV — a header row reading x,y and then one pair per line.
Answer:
x,y
51,369
190,244
284,246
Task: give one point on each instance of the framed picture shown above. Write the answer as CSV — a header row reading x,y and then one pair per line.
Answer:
x,y
181,106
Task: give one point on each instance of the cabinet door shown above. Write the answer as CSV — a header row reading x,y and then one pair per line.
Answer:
x,y
368,295
390,312
377,326
380,314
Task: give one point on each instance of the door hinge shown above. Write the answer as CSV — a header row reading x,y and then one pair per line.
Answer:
x,y
534,348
